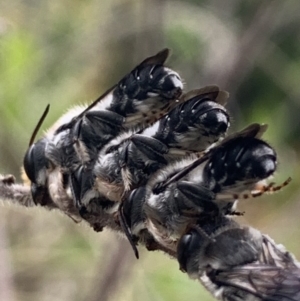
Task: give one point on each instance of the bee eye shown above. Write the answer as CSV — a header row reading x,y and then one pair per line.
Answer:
x,y
183,250
29,162
35,162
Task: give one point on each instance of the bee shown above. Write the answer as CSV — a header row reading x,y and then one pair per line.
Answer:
x,y
175,196
141,97
237,262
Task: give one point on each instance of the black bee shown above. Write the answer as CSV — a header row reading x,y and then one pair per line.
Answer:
x,y
237,263
175,196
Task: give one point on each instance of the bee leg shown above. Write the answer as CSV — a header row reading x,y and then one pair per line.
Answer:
x,y
57,187
82,186
152,245
143,154
76,130
195,195
235,213
97,118
133,210
75,190
272,187
39,194
152,148
91,218
94,130
87,184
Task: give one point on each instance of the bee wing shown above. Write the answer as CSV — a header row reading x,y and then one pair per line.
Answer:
x,y
254,130
159,58
276,255
211,92
155,60
265,282
275,278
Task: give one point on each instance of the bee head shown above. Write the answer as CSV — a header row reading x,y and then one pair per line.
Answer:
x,y
35,163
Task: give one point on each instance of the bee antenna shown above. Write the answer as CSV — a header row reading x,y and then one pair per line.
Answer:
x,y
37,127
259,192
203,233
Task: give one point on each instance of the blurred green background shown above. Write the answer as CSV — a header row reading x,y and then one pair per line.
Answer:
x,y
68,52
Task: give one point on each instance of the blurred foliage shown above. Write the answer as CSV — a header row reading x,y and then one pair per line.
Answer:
x,y
69,52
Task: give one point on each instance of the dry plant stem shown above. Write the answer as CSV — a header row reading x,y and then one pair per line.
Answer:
x,y
17,193
6,277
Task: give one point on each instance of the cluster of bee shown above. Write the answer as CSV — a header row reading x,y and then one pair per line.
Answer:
x,y
157,164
